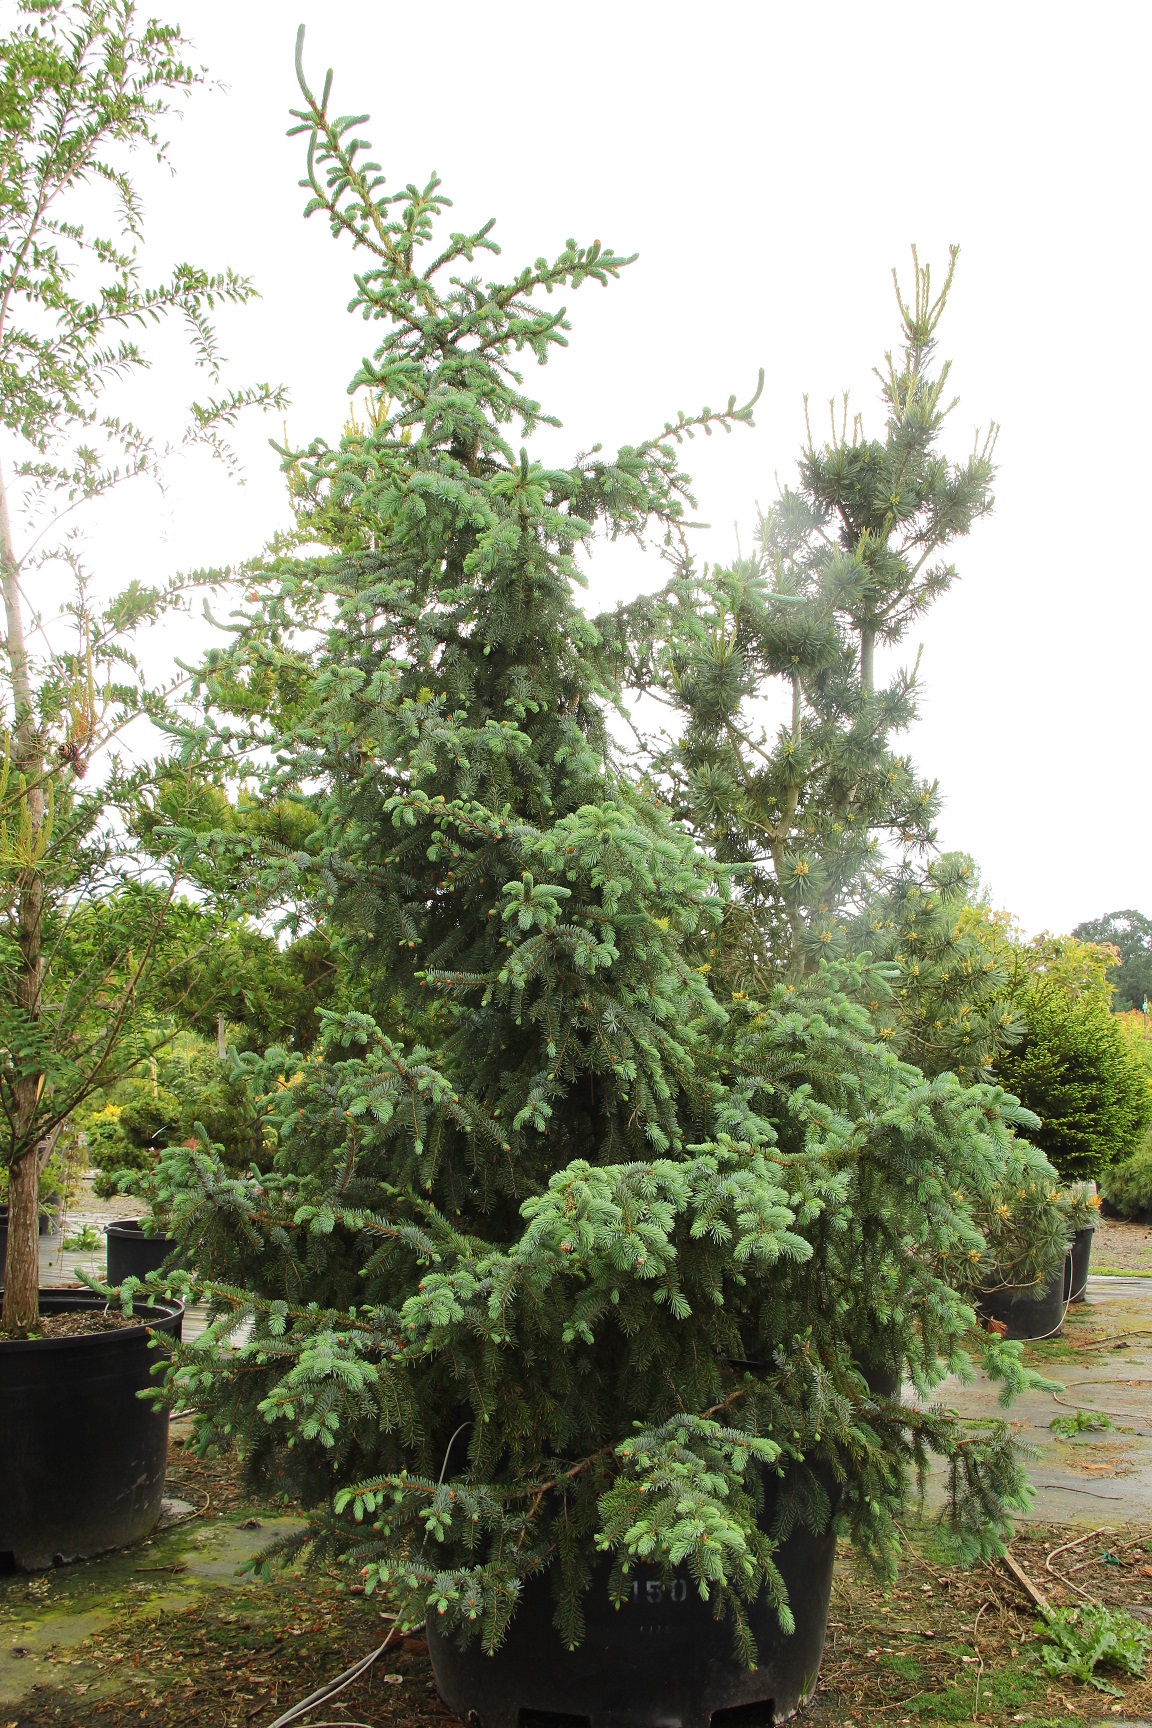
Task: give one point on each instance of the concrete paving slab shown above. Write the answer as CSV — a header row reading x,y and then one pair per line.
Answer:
x,y
1101,1476
42,1619
232,1546
33,1645
59,1263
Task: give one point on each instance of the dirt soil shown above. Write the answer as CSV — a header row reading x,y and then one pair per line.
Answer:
x,y
952,1644
81,1323
167,1635
1122,1247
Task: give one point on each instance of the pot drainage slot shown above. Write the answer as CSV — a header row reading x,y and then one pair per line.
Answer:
x,y
7,1562
551,1719
759,1715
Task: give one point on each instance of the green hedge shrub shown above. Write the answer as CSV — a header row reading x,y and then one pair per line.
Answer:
x,y
1075,1070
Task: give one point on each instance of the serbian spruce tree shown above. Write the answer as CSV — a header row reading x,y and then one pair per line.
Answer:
x,y
531,1209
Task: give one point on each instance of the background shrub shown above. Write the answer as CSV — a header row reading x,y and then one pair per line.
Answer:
x,y
1127,1185
1075,1069
193,1088
1130,934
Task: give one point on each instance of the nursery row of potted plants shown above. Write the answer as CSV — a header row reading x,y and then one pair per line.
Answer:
x,y
1039,1247
1036,1311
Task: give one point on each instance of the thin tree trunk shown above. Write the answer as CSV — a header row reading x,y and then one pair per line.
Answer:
x,y
791,908
22,1279
797,709
18,671
867,659
22,1274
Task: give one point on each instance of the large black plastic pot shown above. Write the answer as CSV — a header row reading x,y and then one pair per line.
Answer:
x,y
1079,1256
131,1254
881,1379
659,1661
1026,1311
81,1456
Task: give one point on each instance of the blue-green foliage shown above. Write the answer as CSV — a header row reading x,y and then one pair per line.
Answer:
x,y
555,1256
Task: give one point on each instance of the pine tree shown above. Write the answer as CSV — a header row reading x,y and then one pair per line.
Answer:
x,y
537,1199
952,1006
814,812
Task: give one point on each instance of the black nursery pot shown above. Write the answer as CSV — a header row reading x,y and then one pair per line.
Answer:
x,y
1079,1256
659,1661
131,1254
82,1458
1026,1311
881,1378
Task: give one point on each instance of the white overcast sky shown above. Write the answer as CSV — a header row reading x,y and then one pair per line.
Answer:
x,y
769,163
